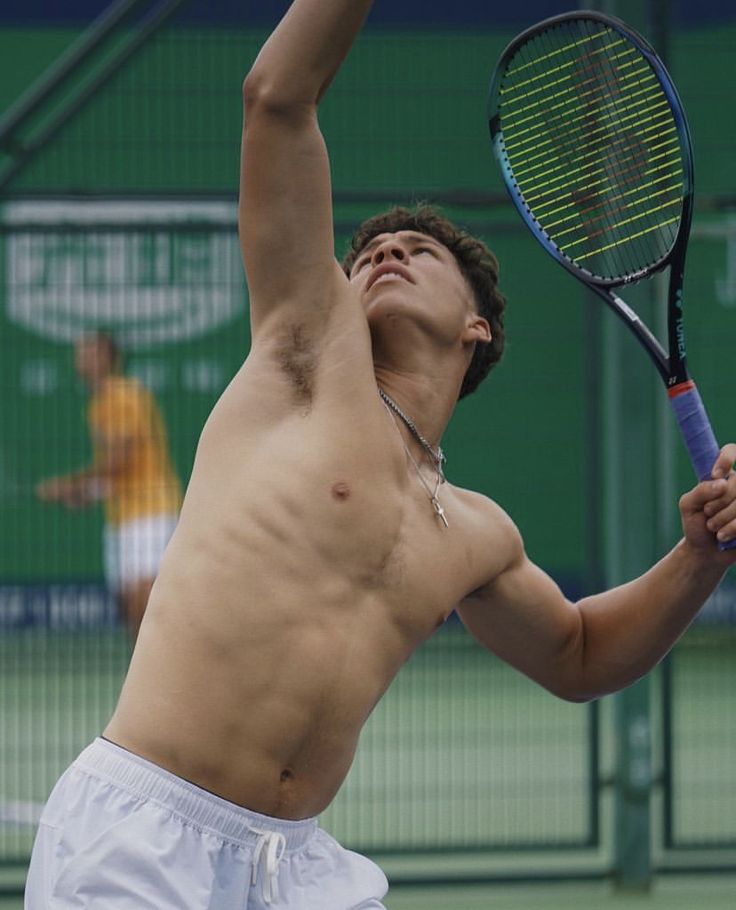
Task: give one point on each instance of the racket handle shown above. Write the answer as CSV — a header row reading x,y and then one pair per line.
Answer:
x,y
697,433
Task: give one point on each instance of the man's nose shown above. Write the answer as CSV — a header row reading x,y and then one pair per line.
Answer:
x,y
387,251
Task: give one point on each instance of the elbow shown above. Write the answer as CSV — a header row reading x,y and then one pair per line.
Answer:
x,y
587,670
577,697
572,690
253,90
572,680
264,95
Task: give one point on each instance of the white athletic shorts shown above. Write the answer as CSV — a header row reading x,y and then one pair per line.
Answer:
x,y
133,549
120,833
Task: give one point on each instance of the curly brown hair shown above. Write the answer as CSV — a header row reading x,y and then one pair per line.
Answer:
x,y
477,263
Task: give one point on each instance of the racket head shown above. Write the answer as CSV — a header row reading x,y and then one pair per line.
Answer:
x,y
594,148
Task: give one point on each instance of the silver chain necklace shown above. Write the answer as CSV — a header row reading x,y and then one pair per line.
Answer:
x,y
438,458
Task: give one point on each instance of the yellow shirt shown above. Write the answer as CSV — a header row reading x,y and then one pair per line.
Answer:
x,y
123,410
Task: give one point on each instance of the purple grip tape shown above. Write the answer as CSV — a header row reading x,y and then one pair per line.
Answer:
x,y
697,432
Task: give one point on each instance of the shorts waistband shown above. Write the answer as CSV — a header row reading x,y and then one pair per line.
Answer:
x,y
233,823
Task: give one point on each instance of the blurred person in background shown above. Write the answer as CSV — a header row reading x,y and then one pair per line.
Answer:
x,y
131,474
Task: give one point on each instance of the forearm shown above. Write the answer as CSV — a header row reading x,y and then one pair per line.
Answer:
x,y
93,480
76,489
626,631
98,472
300,59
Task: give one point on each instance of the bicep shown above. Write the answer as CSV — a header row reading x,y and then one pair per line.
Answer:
x,y
523,617
285,210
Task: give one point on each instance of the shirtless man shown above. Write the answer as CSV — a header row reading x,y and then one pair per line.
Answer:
x,y
311,558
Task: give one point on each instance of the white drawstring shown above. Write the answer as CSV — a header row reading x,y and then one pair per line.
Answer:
x,y
270,846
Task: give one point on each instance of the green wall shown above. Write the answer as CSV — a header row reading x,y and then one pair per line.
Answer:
x,y
405,119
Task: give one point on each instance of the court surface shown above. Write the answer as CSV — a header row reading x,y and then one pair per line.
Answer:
x,y
679,893
707,892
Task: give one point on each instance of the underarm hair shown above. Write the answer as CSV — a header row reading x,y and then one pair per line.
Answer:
x,y
297,357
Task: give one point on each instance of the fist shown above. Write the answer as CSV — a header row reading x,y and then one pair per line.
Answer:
x,y
709,510
63,490
51,490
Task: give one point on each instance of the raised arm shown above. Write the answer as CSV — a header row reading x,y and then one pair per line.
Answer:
x,y
607,641
285,211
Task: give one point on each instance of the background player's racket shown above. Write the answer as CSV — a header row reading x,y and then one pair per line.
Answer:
x,y
595,151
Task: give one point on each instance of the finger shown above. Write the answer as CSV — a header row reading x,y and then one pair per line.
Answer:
x,y
700,496
721,518
724,462
727,531
729,495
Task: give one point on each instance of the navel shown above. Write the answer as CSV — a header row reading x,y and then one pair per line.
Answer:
x,y
340,491
286,775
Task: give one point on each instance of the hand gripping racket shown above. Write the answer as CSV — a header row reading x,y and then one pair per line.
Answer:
x,y
594,149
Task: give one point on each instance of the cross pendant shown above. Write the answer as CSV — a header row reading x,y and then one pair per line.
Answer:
x,y
440,511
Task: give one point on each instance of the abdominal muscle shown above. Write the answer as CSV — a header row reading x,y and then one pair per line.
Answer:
x,y
270,727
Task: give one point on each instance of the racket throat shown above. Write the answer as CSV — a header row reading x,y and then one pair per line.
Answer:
x,y
645,336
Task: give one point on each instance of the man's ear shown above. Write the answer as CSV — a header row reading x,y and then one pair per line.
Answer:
x,y
477,329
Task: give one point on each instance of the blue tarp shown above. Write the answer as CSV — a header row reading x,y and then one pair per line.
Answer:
x,y
413,13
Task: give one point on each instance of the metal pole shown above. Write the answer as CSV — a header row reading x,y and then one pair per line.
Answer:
x,y
89,43
634,493
155,19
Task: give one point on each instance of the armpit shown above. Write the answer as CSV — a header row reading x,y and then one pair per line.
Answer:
x,y
297,357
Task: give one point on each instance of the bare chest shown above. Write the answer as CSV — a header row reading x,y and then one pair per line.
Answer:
x,y
330,507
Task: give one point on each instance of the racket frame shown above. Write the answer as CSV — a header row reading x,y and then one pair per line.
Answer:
x,y
673,367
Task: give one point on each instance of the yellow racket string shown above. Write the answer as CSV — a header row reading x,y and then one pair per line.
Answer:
x,y
592,145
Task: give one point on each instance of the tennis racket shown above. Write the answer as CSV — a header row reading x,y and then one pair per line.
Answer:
x,y
595,151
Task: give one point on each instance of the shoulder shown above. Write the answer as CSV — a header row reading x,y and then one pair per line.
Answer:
x,y
130,393
480,508
120,387
493,537
130,386
119,396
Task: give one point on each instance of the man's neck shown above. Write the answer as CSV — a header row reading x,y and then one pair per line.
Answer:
x,y
99,382
428,405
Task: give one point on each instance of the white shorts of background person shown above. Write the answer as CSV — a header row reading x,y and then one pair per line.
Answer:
x,y
132,553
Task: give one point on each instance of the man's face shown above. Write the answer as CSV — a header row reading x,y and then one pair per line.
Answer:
x,y
408,272
92,358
